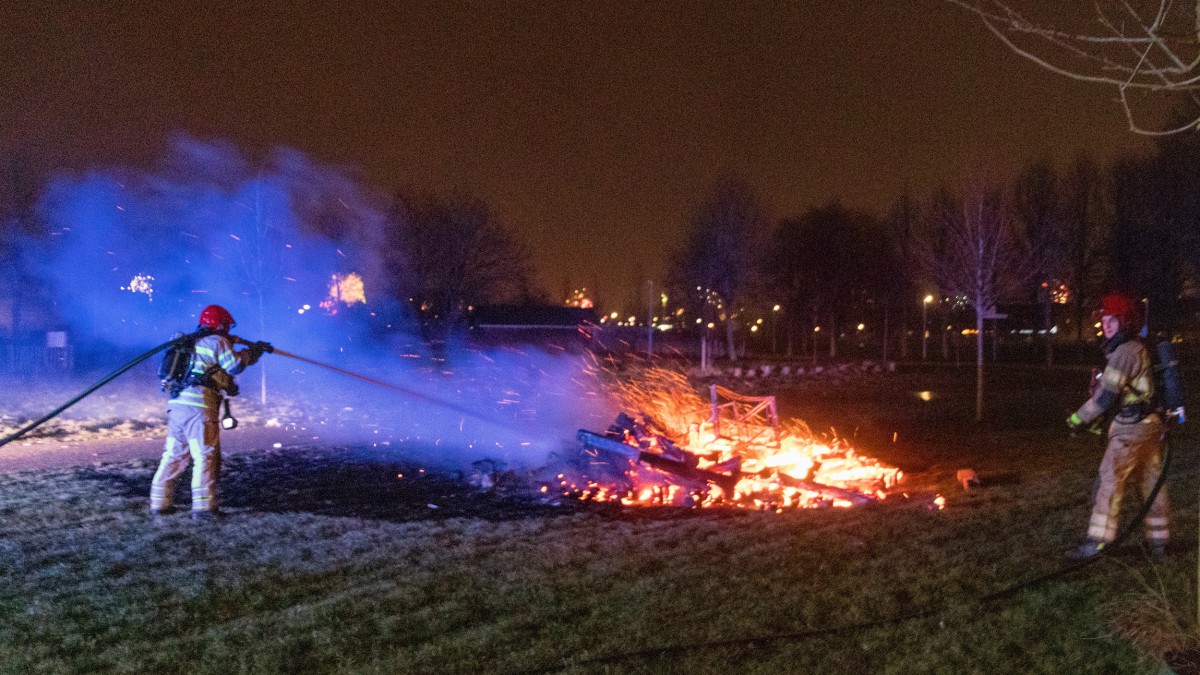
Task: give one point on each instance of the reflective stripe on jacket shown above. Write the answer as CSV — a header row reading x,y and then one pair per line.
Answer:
x,y
215,356
1127,381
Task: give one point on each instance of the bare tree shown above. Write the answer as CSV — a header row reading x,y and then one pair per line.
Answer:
x,y
974,251
1137,257
259,258
1147,50
1037,204
722,249
1085,222
792,274
900,226
453,253
832,261
18,223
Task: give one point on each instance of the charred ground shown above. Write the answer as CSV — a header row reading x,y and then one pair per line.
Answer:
x,y
330,562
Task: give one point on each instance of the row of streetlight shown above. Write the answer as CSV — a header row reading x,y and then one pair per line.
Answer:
x,y
775,309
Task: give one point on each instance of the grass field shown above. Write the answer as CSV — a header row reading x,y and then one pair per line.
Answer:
x,y
330,563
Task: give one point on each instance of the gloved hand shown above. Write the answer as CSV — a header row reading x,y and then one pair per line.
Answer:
x,y
1076,425
232,389
256,351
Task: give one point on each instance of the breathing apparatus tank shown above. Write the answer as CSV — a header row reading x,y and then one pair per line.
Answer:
x,y
1169,381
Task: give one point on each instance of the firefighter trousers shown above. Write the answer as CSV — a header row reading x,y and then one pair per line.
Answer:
x,y
196,431
1134,451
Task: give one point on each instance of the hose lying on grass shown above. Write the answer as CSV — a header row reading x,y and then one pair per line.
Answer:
x,y
986,603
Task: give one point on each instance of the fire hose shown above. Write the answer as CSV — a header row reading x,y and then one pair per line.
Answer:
x,y
59,410
387,385
985,603
131,364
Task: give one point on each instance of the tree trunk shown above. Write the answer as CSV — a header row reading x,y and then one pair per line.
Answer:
x,y
812,335
883,359
945,339
832,336
1047,324
978,362
791,337
729,337
1079,319
262,330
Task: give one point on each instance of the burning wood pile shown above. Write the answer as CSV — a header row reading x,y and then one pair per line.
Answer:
x,y
732,450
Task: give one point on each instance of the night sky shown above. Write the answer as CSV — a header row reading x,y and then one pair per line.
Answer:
x,y
593,128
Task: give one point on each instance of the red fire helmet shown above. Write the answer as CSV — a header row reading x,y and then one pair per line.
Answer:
x,y
1124,307
217,318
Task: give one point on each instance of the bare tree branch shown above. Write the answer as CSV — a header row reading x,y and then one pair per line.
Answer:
x,y
1159,56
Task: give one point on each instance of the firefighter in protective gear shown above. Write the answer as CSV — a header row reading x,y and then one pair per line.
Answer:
x,y
192,417
1135,434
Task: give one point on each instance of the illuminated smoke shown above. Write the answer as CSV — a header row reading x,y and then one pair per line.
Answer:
x,y
264,237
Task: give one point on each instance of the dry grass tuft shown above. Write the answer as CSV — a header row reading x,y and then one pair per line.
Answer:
x,y
1147,619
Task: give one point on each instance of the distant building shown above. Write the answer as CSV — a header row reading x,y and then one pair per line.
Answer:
x,y
553,327
32,338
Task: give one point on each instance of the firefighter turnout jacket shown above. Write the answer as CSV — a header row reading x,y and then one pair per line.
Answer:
x,y
1127,384
213,369
1134,440
193,427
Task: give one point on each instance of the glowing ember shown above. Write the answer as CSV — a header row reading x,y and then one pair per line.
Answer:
x,y
579,298
730,451
141,284
346,289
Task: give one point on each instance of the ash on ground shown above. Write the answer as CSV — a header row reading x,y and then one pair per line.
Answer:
x,y
349,482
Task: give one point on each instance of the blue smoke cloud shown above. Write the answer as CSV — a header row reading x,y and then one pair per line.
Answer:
x,y
133,257
136,256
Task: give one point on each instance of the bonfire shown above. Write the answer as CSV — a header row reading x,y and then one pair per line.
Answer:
x,y
672,447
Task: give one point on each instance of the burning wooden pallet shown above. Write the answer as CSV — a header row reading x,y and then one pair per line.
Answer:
x,y
634,464
729,450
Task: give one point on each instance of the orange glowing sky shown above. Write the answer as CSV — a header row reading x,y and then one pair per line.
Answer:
x,y
593,128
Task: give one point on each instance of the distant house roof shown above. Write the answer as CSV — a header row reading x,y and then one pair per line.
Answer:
x,y
532,316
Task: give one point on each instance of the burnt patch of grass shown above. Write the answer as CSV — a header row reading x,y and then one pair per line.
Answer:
x,y
353,572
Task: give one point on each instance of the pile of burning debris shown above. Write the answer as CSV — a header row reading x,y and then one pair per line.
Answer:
x,y
729,451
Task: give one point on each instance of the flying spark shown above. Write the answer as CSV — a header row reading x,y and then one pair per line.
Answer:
x,y
141,284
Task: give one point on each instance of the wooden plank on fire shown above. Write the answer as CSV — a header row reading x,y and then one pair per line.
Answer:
x,y
857,498
596,442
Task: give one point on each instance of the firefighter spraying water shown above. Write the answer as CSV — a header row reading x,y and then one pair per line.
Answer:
x,y
198,375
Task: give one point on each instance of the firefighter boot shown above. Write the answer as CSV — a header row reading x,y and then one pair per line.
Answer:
x,y
209,516
1087,549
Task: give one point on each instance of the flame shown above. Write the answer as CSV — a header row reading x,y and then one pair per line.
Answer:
x,y
346,289
796,471
579,298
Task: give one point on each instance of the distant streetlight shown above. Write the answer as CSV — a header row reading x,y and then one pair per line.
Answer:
x,y
925,327
774,320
